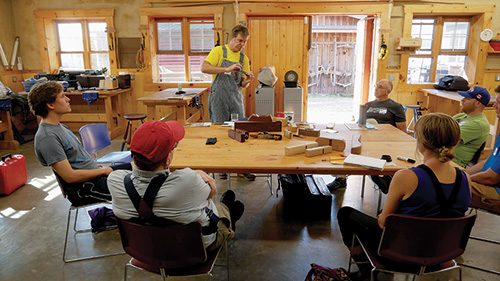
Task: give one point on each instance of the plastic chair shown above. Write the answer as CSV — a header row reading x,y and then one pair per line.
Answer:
x,y
175,250
77,231
127,136
419,246
95,137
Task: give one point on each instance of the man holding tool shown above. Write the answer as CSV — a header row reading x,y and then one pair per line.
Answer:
x,y
230,69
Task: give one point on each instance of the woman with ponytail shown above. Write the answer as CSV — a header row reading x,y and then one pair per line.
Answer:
x,y
416,191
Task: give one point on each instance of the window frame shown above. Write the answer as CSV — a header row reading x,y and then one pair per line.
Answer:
x,y
49,41
476,60
147,28
437,41
87,50
186,50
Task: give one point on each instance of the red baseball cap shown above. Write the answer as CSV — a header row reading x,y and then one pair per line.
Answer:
x,y
155,139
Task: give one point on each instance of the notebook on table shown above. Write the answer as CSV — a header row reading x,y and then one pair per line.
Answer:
x,y
365,162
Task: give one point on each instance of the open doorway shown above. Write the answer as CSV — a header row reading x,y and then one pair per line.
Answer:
x,y
332,69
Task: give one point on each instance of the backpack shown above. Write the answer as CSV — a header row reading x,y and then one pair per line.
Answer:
x,y
452,83
323,273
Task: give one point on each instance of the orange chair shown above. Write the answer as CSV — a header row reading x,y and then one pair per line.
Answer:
x,y
419,246
174,250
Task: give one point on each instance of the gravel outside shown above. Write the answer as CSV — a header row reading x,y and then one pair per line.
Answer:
x,y
329,109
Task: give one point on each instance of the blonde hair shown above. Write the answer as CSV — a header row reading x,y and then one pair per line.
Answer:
x,y
439,133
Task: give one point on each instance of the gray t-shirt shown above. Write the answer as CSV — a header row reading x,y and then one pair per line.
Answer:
x,y
182,197
386,112
54,143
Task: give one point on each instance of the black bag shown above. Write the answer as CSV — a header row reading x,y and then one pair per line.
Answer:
x,y
301,199
323,273
452,83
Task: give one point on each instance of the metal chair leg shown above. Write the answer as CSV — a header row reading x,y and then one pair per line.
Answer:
x,y
363,187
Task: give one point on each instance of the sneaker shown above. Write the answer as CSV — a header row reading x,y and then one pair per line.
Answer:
x,y
223,176
236,211
249,177
337,183
227,198
382,182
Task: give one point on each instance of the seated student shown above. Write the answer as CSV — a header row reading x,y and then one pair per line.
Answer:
x,y
473,124
56,146
485,175
412,191
183,197
385,111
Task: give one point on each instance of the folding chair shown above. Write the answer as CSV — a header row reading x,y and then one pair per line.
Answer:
x,y
419,246
174,250
77,231
95,137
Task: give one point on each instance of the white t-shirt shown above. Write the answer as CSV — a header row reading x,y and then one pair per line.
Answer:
x,y
182,197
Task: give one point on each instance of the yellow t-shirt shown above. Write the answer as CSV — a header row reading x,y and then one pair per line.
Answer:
x,y
215,58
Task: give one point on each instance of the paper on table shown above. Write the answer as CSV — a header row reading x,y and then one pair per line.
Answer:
x,y
365,162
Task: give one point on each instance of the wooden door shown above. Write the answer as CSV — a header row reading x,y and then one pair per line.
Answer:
x,y
282,42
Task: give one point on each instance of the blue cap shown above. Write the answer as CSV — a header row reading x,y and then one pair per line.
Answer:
x,y
478,93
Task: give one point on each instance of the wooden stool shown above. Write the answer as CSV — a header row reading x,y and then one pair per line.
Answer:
x,y
127,137
417,112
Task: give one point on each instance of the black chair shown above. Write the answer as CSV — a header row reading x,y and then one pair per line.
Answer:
x,y
175,250
419,246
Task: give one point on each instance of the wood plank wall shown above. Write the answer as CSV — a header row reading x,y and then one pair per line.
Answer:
x,y
278,41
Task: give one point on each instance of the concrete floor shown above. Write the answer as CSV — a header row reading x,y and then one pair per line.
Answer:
x,y
267,245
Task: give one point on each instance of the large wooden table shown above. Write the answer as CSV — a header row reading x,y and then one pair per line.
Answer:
x,y
268,156
179,104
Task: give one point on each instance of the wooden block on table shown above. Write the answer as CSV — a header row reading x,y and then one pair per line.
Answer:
x,y
295,149
258,126
309,132
288,134
356,144
337,144
298,149
311,145
315,151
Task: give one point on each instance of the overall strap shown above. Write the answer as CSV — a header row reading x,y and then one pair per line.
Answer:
x,y
443,202
144,206
224,52
242,57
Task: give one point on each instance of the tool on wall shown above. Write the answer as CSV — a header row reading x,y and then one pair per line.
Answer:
x,y
4,58
218,40
14,53
383,50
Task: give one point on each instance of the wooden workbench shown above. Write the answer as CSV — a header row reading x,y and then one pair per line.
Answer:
x,y
178,105
8,141
444,101
109,108
268,156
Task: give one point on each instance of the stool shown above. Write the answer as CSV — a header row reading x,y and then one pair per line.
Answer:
x,y
127,137
416,115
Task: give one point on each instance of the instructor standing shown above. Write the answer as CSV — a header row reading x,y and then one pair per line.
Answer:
x,y
230,69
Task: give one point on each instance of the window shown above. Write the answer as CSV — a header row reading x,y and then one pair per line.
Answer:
x,y
443,51
181,47
77,39
83,45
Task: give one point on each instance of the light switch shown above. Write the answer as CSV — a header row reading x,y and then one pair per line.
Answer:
x,y
14,78
497,78
391,77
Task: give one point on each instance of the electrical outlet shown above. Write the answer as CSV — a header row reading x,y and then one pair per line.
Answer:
x,y
391,77
14,78
132,77
497,78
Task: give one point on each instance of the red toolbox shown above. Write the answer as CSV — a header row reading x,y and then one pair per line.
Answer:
x,y
12,173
